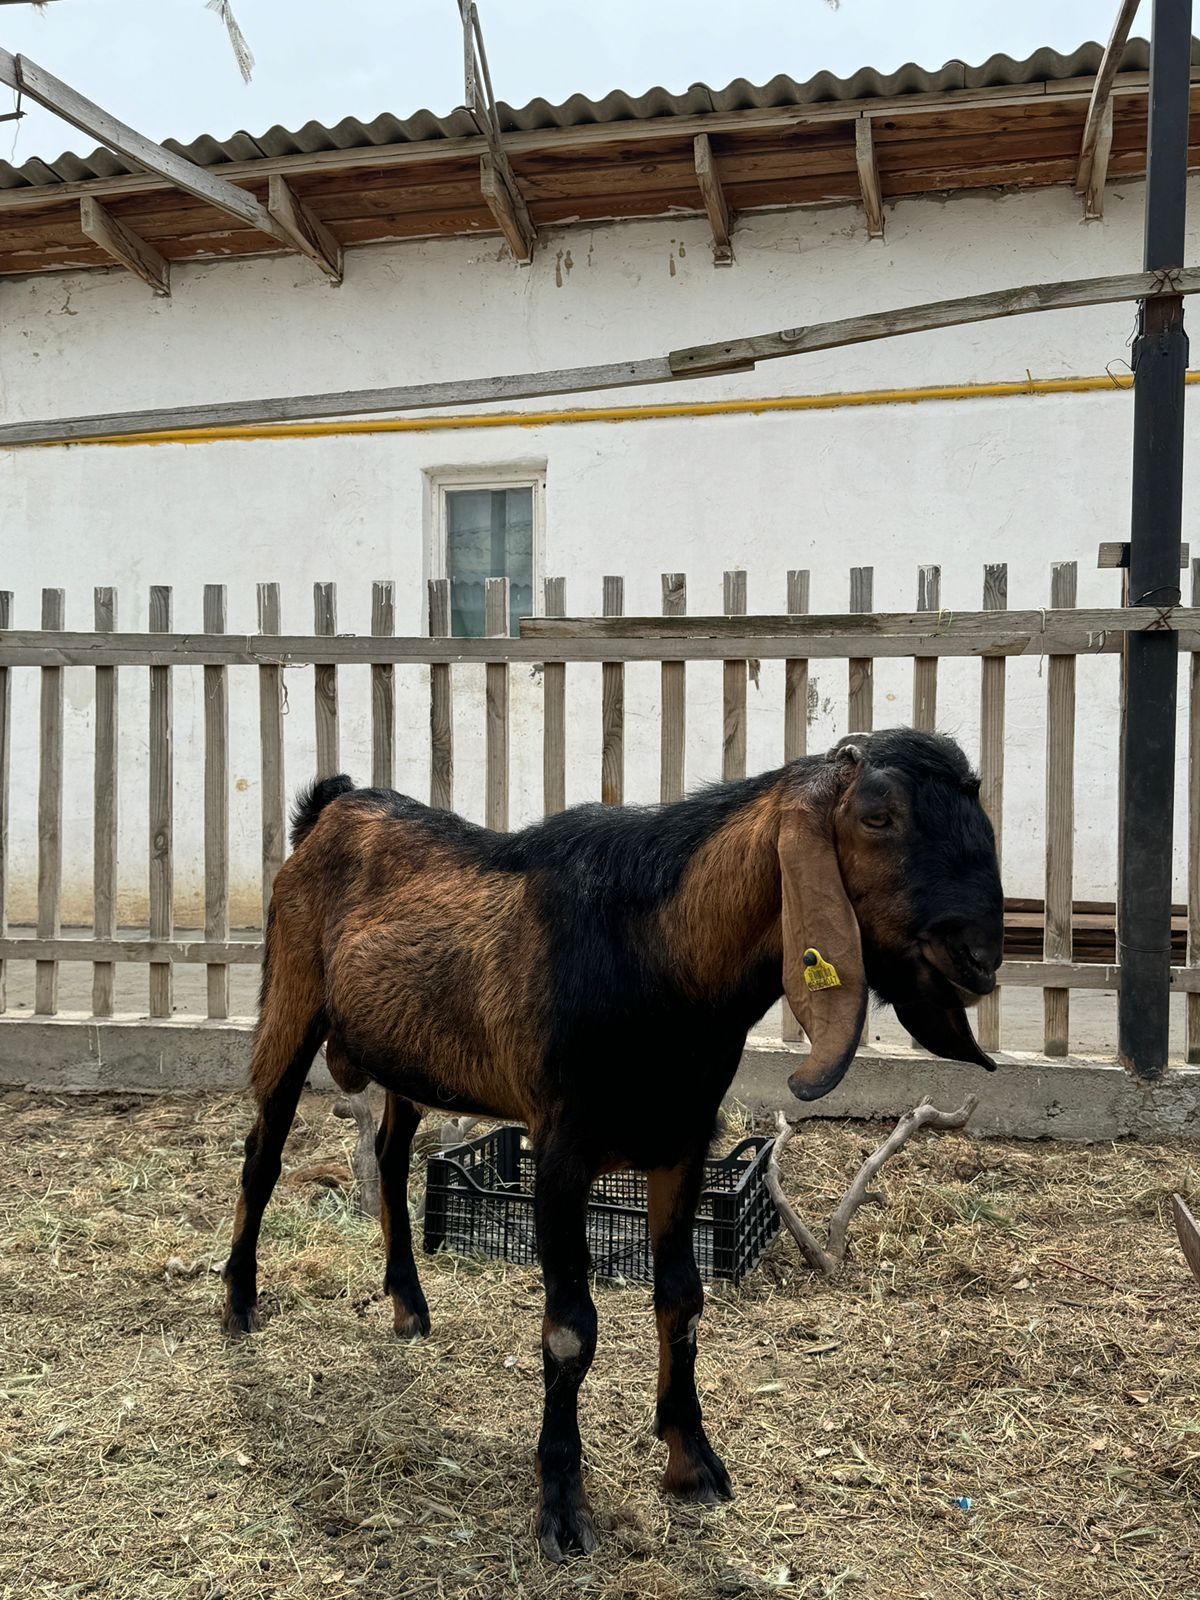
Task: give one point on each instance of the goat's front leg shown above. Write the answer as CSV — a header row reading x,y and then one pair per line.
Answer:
x,y
392,1147
568,1345
694,1470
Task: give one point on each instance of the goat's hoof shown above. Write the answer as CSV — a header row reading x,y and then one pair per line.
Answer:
x,y
565,1524
695,1471
411,1324
239,1320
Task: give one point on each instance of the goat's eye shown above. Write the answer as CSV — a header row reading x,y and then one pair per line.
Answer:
x,y
877,819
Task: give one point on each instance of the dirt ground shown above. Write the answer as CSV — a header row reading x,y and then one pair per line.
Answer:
x,y
1001,1398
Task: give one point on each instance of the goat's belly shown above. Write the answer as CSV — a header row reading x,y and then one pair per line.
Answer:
x,y
425,1090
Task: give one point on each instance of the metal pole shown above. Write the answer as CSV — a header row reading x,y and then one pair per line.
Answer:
x,y
1148,770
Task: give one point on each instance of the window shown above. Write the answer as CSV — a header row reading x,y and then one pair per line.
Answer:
x,y
488,528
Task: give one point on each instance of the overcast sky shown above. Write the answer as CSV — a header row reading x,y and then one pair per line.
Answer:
x,y
166,67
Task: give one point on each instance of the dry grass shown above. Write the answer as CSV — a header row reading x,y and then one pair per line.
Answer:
x,y
1019,1331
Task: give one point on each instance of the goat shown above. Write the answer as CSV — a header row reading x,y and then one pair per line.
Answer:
x,y
595,977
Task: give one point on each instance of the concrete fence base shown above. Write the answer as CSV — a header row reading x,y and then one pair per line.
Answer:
x,y
1027,1097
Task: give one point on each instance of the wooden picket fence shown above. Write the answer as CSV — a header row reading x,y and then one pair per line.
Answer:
x,y
994,634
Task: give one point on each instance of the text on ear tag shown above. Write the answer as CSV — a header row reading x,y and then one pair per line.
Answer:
x,y
819,973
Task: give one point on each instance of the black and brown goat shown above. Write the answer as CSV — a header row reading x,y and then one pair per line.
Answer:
x,y
595,977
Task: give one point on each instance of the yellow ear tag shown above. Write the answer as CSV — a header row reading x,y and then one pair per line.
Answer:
x,y
819,973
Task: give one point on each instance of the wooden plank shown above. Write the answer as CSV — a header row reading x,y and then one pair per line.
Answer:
x,y
733,741
1093,194
503,201
861,672
5,759
383,690
1060,816
104,811
795,675
1100,102
325,684
235,952
993,684
270,726
133,252
554,713
726,355
612,708
720,219
306,231
929,598
1095,631
1115,553
1193,898
161,807
672,769
50,797
216,805
868,177
496,625
441,703
36,84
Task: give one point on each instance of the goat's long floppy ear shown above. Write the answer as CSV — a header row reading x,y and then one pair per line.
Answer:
x,y
823,976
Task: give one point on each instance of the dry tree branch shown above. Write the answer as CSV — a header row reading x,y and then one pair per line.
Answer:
x,y
829,1259
357,1108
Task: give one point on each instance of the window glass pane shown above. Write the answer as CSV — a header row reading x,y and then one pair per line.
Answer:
x,y
489,534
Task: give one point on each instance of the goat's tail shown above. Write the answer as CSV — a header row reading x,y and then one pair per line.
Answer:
x,y
312,801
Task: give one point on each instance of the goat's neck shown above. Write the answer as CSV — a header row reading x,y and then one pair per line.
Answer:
x,y
724,920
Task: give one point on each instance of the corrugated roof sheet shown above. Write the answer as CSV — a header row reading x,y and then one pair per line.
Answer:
x,y
1044,66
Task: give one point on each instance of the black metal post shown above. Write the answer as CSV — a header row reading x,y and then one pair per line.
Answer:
x,y
1160,363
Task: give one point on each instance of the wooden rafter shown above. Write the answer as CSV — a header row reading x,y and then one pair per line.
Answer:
x,y
497,182
132,251
309,233
19,73
868,177
1097,129
720,217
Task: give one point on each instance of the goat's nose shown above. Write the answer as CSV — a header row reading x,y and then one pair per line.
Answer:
x,y
981,958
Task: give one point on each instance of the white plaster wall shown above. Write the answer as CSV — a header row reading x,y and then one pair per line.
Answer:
x,y
1027,481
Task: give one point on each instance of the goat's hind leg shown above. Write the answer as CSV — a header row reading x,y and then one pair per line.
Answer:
x,y
392,1147
694,1470
284,1049
568,1345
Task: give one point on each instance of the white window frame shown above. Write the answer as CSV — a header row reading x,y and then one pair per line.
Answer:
x,y
515,475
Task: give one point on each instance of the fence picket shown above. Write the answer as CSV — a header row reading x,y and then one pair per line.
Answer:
x,y
104,811
50,781
612,708
1060,817
441,703
325,684
162,859
925,668
383,690
554,713
861,669
672,769
216,804
733,741
496,626
1193,953
270,727
795,676
5,748
992,686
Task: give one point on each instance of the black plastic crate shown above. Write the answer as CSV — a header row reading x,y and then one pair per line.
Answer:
x,y
479,1201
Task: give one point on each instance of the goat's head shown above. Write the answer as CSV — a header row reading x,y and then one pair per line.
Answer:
x,y
890,882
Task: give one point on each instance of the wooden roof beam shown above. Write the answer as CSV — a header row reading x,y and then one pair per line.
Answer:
x,y
308,232
868,177
497,181
19,73
1097,129
720,217
122,244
